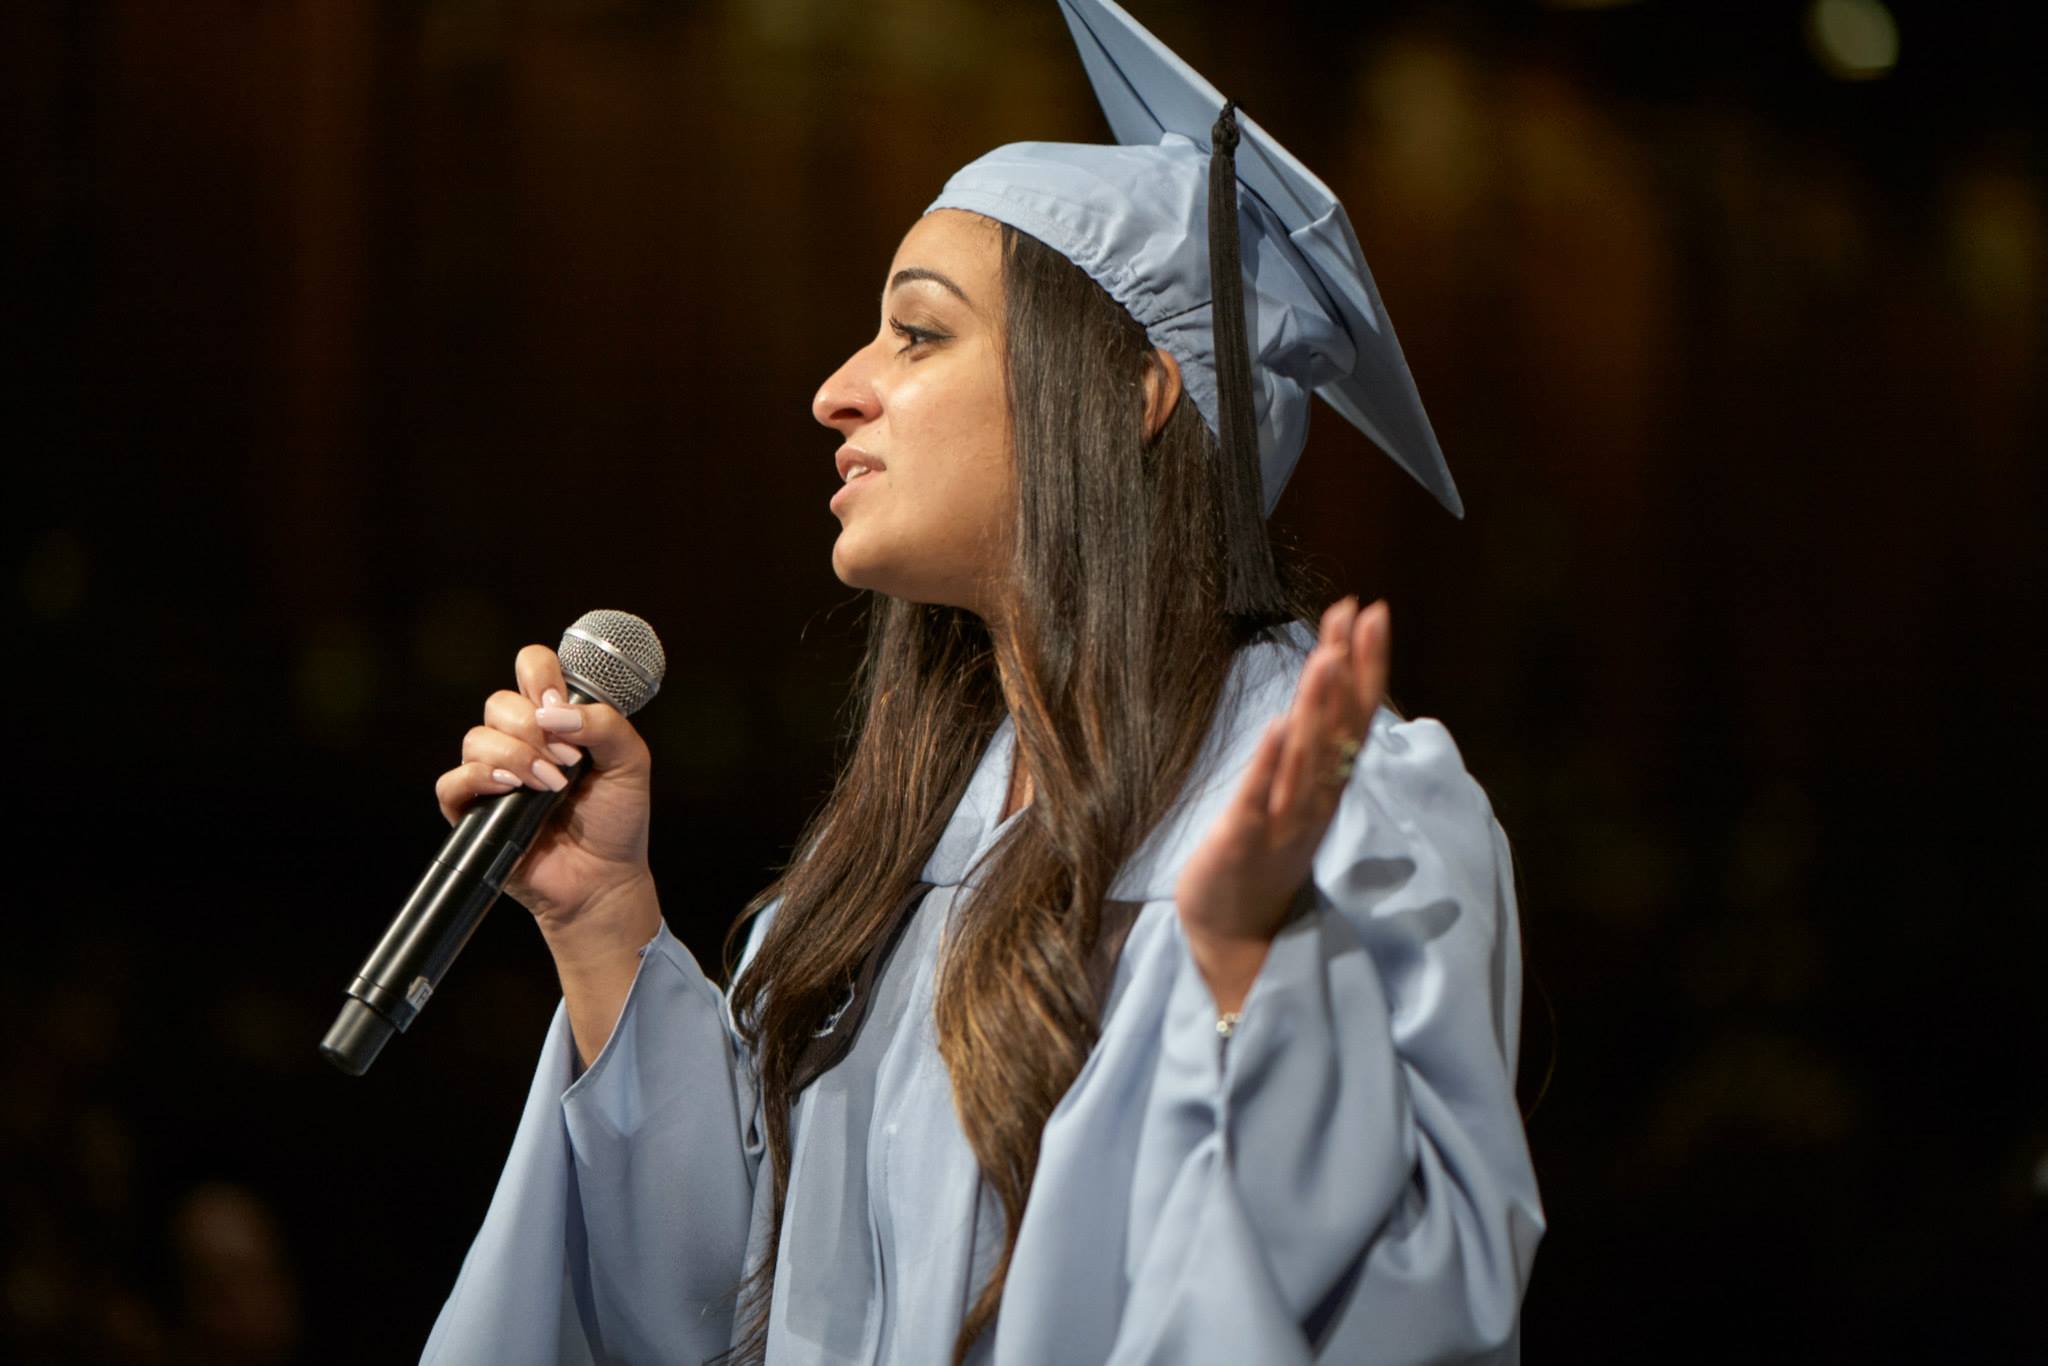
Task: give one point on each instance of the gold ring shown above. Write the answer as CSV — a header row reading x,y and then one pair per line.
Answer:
x,y
1339,773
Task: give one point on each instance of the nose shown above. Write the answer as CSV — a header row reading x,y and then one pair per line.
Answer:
x,y
847,400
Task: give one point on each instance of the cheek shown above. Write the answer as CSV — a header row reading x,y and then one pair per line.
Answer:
x,y
980,442
962,451
988,481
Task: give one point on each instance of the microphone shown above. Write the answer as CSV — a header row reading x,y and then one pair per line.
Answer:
x,y
610,657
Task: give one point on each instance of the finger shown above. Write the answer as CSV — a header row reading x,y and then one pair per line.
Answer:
x,y
1330,629
1343,635
1255,793
1303,729
1313,711
610,738
1335,715
1342,722
497,750
512,713
458,787
1371,652
539,671
1340,633
1328,745
1308,697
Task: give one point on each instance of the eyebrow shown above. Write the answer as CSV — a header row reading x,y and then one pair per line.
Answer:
x,y
912,274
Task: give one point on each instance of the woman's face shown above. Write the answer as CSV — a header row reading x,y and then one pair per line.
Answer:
x,y
926,513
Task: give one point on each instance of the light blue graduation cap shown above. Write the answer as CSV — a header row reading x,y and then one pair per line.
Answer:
x,y
1137,219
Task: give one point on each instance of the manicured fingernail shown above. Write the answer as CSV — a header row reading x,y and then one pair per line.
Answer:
x,y
551,698
559,719
549,774
565,754
507,777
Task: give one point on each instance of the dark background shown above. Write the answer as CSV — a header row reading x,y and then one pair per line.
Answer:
x,y
348,347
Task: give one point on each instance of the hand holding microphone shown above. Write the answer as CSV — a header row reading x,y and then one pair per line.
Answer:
x,y
534,738
562,736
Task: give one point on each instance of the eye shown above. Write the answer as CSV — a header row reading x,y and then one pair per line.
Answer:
x,y
914,337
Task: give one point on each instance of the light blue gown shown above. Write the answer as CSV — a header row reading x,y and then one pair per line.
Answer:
x,y
1342,1180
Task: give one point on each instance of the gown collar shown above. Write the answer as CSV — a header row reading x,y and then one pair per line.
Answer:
x,y
1260,686
977,821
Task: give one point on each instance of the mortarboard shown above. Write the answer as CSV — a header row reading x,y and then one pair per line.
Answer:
x,y
1136,218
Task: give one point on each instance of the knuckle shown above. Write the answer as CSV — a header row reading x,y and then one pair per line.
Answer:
x,y
507,710
454,789
486,747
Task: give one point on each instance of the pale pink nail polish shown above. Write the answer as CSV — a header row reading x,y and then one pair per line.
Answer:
x,y
549,774
567,755
560,719
507,777
551,698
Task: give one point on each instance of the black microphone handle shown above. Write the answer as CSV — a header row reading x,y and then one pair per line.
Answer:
x,y
459,886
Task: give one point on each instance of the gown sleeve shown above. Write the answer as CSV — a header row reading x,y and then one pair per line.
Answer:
x,y
618,1231
1343,1179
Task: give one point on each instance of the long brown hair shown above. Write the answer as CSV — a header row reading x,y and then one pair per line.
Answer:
x,y
1117,646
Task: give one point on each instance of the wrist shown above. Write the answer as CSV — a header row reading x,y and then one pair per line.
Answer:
x,y
618,920
1229,964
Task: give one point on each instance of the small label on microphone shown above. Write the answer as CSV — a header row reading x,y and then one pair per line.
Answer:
x,y
416,995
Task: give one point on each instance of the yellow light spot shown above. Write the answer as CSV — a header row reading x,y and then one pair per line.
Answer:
x,y
1853,40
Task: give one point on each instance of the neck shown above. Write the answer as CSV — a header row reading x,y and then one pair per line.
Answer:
x,y
1020,788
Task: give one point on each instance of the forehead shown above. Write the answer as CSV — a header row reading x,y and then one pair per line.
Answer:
x,y
965,247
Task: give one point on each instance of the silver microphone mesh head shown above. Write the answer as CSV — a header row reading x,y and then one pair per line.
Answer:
x,y
614,657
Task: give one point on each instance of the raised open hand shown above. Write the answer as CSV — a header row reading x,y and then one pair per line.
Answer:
x,y
1236,889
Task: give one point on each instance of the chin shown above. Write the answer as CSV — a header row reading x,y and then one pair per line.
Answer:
x,y
854,569
860,562
845,564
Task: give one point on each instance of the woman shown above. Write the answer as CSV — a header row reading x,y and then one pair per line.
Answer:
x,y
1118,1007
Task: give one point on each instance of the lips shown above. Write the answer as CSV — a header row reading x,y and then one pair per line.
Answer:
x,y
855,463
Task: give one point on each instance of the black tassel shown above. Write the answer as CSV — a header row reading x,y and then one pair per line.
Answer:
x,y
1244,520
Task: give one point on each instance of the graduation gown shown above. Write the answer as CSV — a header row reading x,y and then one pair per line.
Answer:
x,y
1343,1179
